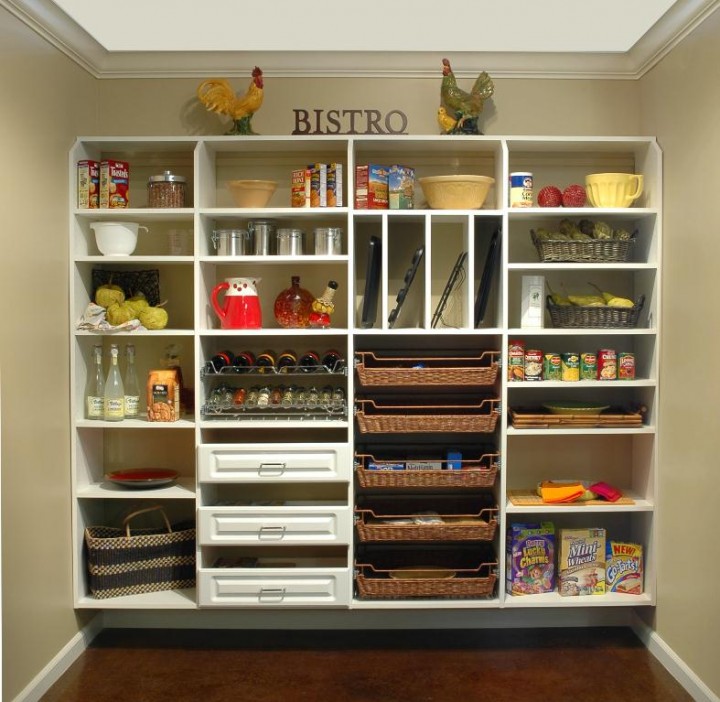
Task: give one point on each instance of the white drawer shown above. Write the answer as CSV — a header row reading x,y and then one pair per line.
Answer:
x,y
321,587
310,524
274,463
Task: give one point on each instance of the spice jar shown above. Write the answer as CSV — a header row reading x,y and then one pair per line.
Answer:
x,y
166,190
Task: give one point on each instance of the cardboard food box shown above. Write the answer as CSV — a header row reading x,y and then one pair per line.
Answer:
x,y
300,188
335,185
401,187
88,183
530,567
163,395
581,564
624,568
114,184
371,187
318,185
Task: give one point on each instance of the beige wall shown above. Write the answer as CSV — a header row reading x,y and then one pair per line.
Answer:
x,y
46,101
50,100
680,103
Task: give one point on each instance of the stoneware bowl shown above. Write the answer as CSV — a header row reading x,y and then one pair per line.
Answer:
x,y
251,193
456,192
613,189
116,238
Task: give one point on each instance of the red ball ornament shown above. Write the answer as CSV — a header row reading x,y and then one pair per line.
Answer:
x,y
550,196
574,196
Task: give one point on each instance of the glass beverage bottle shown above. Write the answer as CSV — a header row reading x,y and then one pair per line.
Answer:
x,y
130,384
114,403
95,389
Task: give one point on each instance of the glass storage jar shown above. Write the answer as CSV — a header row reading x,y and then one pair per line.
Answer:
x,y
166,190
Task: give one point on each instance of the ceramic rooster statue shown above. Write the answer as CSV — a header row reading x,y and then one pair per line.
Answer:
x,y
218,96
459,110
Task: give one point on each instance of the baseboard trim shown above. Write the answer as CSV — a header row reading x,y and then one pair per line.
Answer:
x,y
69,653
695,687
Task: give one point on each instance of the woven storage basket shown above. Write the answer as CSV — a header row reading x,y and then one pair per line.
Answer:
x,y
475,473
573,316
388,419
374,583
455,527
595,251
122,561
375,371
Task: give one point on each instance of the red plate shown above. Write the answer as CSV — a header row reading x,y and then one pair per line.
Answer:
x,y
143,477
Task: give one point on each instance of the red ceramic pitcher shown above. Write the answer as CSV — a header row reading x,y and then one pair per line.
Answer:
x,y
241,304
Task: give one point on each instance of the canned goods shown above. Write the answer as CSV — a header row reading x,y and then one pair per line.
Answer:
x,y
521,189
570,366
552,366
516,361
533,365
588,366
626,365
606,364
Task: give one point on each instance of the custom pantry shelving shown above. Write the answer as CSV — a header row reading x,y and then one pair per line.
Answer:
x,y
278,491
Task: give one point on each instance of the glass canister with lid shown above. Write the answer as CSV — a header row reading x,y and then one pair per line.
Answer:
x,y
166,190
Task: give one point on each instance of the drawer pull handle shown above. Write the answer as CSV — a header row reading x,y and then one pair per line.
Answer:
x,y
272,593
275,532
271,469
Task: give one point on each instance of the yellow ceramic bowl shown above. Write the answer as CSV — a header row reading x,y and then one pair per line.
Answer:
x,y
456,192
613,189
251,193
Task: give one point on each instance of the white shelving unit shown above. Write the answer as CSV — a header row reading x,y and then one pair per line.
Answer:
x,y
294,515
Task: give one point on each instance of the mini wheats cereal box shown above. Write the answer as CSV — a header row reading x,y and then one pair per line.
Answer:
x,y
530,552
88,183
624,568
581,564
114,184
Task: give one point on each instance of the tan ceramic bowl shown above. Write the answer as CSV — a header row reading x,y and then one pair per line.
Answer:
x,y
613,189
456,192
251,193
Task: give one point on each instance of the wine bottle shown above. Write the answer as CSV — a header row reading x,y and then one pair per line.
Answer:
x,y
114,398
95,388
130,384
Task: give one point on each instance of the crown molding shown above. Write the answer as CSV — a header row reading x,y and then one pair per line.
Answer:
x,y
51,23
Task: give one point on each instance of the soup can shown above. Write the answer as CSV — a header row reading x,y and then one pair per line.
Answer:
x,y
533,364
231,242
607,364
328,241
290,242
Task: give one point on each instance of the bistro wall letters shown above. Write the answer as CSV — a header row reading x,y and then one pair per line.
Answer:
x,y
339,121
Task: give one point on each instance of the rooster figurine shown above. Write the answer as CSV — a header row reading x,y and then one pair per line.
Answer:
x,y
459,110
218,96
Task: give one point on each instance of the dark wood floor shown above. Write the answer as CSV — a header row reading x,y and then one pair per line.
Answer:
x,y
131,665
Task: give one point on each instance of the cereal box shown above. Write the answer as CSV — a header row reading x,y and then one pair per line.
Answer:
x,y
581,564
371,187
300,188
114,184
163,395
88,184
624,568
401,187
318,185
335,185
530,550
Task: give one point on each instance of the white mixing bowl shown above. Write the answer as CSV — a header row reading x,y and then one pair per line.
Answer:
x,y
116,238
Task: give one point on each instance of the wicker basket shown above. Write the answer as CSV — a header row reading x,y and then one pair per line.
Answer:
x,y
125,562
375,583
377,371
389,419
455,527
574,316
475,473
595,251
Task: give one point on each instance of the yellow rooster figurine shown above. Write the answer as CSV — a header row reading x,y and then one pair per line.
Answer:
x,y
218,96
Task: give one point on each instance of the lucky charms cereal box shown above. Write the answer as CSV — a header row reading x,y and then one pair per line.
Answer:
x,y
530,558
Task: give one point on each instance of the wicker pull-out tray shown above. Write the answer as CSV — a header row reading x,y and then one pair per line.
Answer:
x,y
372,526
595,251
381,418
475,473
578,317
388,371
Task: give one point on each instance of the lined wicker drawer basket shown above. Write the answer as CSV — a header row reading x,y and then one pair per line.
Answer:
x,y
475,473
574,316
372,526
376,583
595,251
385,418
388,371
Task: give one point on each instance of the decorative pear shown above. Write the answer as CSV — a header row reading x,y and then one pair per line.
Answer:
x,y
138,302
153,318
119,313
107,294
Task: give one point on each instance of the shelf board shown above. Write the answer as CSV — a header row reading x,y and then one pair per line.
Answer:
x,y
583,384
434,603
159,260
570,265
279,423
275,259
185,423
146,214
512,431
136,332
273,332
165,599
552,599
607,212
184,488
595,331
220,213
